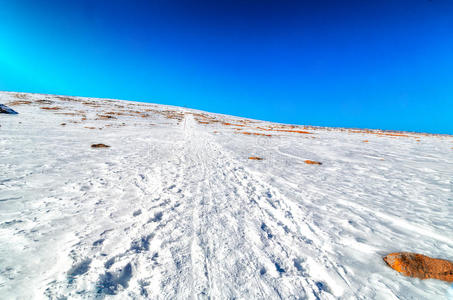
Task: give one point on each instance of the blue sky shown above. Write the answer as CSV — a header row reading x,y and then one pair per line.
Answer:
x,y
370,64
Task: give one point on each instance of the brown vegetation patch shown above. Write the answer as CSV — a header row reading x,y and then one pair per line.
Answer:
x,y
420,266
295,131
18,102
72,114
63,124
278,129
92,104
116,113
312,162
44,101
381,133
136,112
232,124
89,127
67,98
100,146
105,117
255,158
130,113
204,119
393,134
172,114
253,133
50,107
266,129
67,113
21,96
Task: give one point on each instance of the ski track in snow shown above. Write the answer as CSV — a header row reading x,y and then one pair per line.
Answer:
x,y
178,211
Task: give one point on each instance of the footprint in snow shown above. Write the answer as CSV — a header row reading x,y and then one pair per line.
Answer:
x,y
279,268
79,269
98,242
266,230
157,217
142,244
109,283
322,286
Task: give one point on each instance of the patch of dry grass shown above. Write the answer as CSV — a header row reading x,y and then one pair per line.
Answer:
x,y
254,133
18,102
44,101
50,107
105,117
21,96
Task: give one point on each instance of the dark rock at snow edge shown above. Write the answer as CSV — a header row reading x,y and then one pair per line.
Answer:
x,y
6,110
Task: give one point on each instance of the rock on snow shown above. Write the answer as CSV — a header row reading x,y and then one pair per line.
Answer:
x,y
6,110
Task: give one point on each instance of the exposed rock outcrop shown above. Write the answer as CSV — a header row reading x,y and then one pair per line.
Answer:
x,y
6,110
100,146
312,162
420,266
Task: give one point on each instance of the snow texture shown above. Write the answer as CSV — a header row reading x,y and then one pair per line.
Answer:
x,y
175,209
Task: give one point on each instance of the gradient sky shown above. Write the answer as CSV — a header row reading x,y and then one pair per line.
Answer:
x,y
372,64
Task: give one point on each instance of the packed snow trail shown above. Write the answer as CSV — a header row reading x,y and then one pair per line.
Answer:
x,y
176,210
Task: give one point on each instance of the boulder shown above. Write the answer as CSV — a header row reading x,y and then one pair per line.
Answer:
x,y
100,146
420,266
6,110
255,158
312,162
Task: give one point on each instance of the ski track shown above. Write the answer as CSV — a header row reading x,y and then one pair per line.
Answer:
x,y
182,214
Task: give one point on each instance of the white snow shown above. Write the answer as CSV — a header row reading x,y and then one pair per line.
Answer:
x,y
174,209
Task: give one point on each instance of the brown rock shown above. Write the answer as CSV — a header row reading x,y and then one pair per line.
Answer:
x,y
105,117
312,162
255,158
420,266
100,146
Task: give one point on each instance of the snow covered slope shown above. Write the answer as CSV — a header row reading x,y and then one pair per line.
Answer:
x,y
175,209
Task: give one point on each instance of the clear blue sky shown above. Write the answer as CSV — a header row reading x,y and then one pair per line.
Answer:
x,y
375,64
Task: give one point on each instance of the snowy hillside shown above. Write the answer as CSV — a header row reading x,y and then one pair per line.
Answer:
x,y
176,209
